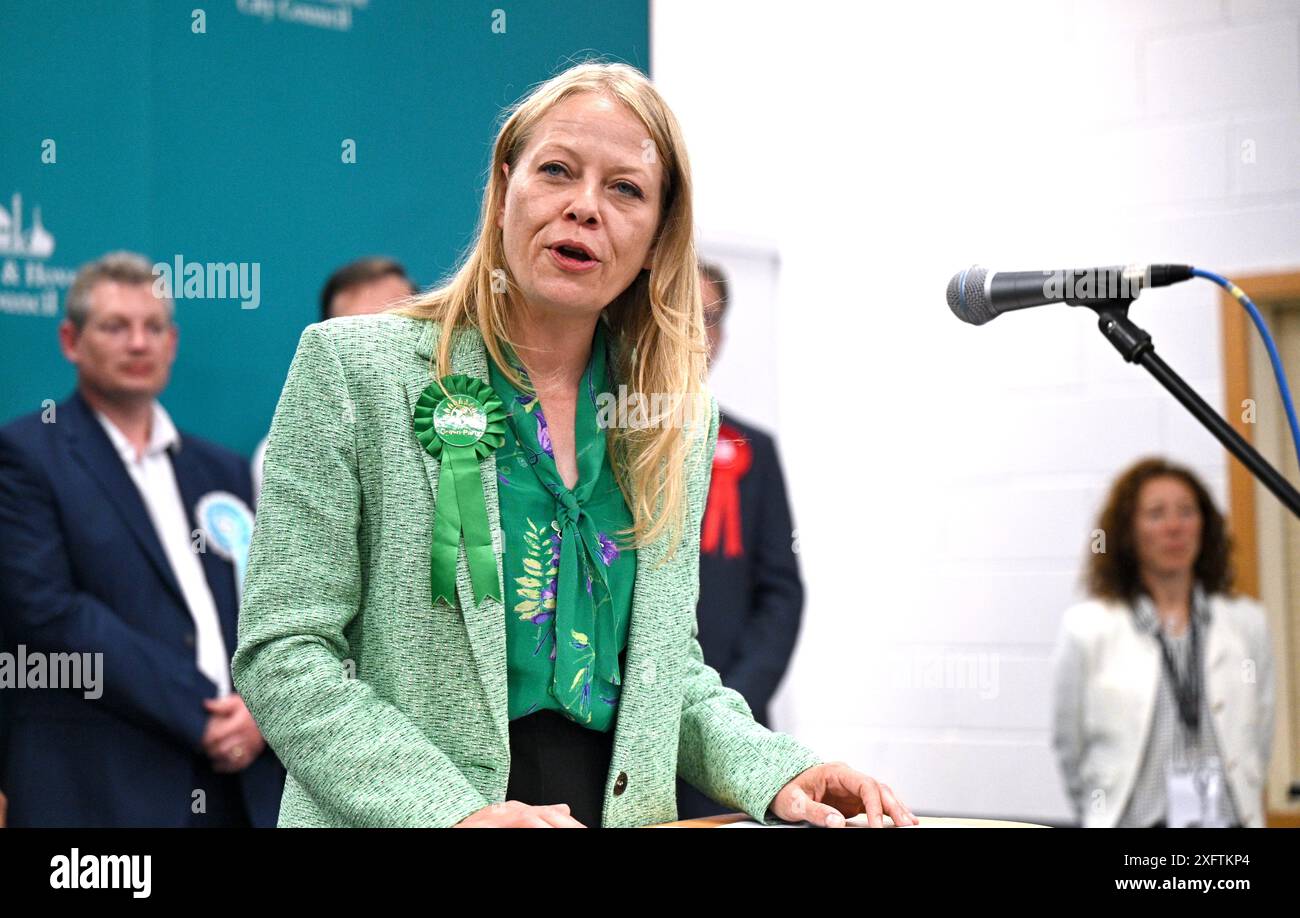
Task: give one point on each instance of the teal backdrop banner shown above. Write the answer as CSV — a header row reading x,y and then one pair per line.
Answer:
x,y
277,138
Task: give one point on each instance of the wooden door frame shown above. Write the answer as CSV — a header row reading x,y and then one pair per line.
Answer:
x,y
1237,331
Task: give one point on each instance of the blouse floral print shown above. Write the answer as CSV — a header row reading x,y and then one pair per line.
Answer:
x,y
568,571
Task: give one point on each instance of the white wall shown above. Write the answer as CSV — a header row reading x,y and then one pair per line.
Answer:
x,y
945,495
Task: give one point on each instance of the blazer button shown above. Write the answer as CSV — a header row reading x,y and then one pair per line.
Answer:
x,y
620,783
189,640
1218,706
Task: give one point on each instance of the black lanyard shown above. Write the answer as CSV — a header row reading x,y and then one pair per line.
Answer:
x,y
1186,691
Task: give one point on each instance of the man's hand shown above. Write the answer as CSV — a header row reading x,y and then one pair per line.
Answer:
x,y
231,739
515,815
825,794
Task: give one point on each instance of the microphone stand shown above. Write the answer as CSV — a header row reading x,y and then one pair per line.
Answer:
x,y
1134,345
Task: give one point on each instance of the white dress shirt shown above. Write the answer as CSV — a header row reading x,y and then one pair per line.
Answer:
x,y
154,477
1168,740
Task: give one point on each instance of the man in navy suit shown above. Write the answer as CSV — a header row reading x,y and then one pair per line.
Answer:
x,y
751,596
102,558
4,742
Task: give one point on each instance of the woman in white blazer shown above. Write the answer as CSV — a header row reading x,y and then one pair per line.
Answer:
x,y
1163,695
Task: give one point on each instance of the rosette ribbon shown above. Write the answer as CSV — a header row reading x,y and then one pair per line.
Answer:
x,y
732,458
460,427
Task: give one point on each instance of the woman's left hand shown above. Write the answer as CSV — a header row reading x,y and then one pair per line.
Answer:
x,y
825,794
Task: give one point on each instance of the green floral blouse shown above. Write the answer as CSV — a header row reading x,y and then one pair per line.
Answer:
x,y
568,585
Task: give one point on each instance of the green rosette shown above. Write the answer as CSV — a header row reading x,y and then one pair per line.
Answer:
x,y
460,427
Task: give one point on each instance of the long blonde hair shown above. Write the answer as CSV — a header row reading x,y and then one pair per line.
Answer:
x,y
656,325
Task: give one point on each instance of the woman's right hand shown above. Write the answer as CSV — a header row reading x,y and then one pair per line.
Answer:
x,y
515,815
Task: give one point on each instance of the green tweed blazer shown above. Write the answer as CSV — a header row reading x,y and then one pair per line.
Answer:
x,y
387,711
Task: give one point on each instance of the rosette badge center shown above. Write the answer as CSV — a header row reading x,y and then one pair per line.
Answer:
x,y
459,420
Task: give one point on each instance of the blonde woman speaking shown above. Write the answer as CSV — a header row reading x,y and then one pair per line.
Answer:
x,y
470,599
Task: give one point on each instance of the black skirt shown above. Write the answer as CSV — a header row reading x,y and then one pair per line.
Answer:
x,y
554,760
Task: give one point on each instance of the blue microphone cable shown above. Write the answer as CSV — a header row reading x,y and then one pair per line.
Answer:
x,y
1278,372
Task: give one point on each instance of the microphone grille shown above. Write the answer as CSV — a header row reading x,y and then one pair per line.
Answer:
x,y
966,296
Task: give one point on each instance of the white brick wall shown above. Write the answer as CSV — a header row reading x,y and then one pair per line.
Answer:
x,y
1226,68
945,494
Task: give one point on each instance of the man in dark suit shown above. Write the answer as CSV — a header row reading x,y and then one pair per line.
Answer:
x,y
751,597
4,744
104,560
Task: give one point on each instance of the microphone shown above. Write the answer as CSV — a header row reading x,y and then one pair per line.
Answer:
x,y
978,296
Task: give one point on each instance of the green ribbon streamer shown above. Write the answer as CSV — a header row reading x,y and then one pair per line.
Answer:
x,y
575,613
461,509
